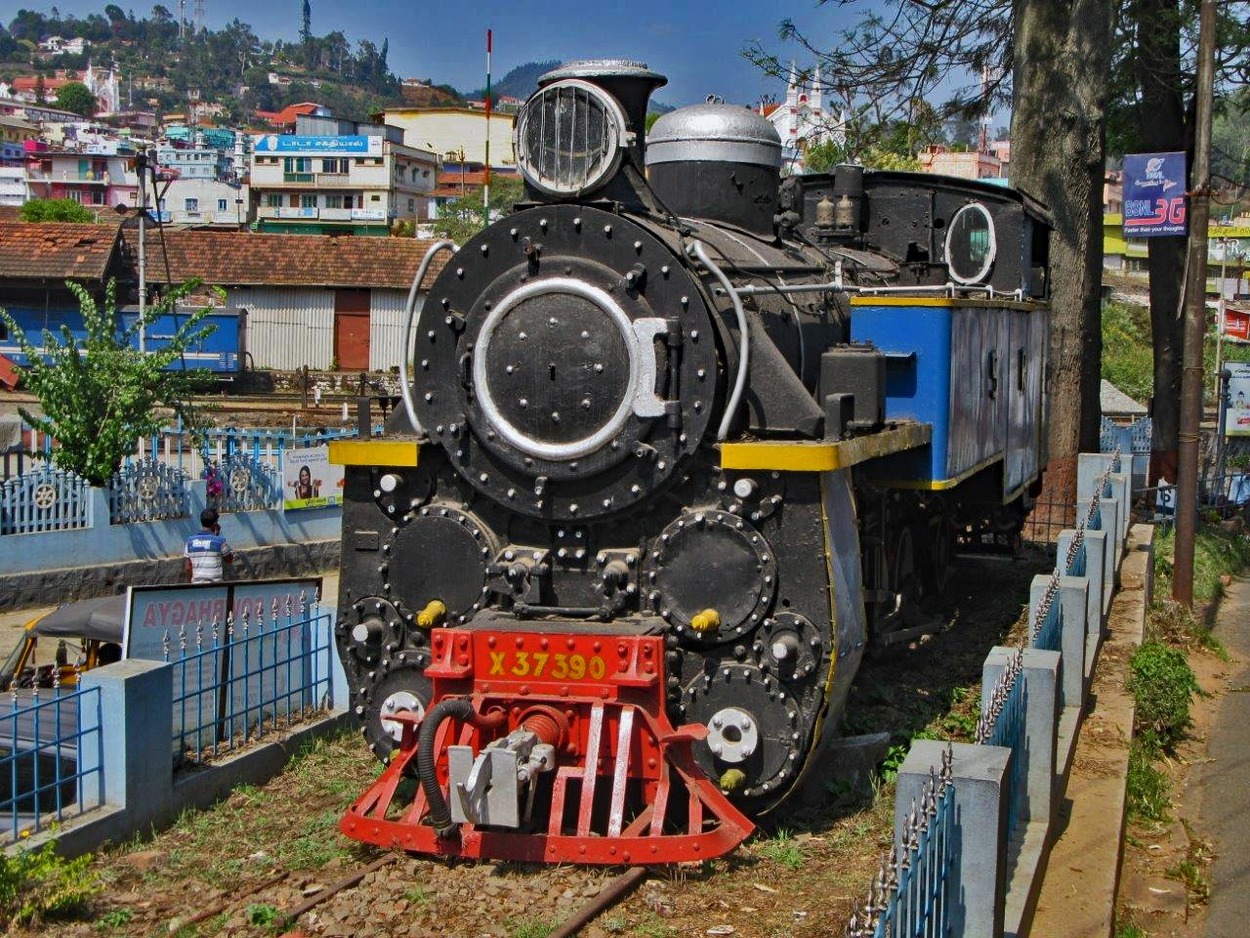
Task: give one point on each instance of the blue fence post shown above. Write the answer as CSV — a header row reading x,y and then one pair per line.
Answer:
x,y
978,848
1041,725
138,758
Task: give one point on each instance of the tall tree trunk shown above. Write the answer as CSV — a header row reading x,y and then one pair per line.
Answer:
x,y
1062,53
1161,129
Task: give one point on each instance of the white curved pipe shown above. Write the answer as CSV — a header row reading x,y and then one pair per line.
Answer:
x,y
410,309
744,338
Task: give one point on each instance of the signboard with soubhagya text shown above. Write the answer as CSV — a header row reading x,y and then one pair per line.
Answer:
x,y
1154,195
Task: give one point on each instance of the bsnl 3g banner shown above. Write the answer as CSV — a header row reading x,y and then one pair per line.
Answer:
x,y
1154,195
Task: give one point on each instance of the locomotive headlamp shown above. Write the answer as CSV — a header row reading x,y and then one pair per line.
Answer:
x,y
570,138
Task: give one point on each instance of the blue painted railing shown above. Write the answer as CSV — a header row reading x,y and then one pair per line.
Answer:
x,y
41,737
243,468
237,681
913,893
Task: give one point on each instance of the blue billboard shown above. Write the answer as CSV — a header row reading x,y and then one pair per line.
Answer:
x,y
296,143
1154,195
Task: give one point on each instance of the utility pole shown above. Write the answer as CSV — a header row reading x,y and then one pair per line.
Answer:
x,y
1195,318
141,168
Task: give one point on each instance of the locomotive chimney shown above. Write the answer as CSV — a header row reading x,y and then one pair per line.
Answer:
x,y
630,82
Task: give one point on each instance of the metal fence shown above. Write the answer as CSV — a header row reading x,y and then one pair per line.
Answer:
x,y
903,899
242,469
148,490
45,499
41,774
237,681
911,895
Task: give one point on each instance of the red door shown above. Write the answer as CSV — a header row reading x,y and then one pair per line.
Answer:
x,y
351,329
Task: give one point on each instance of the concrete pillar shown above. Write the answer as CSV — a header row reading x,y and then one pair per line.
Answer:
x,y
326,665
1110,509
1094,572
1041,725
1090,468
137,731
1122,491
979,842
1072,602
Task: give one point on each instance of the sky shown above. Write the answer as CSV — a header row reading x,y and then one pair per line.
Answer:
x,y
696,45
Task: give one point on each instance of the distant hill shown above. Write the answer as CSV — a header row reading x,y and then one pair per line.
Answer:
x,y
522,82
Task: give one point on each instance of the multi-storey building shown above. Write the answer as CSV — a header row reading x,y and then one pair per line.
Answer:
x,y
96,180
456,133
339,177
13,185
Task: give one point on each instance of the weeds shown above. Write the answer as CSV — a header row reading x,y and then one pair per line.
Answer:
x,y
39,884
1163,685
115,919
783,849
262,914
1147,789
528,927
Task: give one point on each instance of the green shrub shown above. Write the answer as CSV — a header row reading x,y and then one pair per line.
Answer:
x,y
39,884
1146,787
1163,685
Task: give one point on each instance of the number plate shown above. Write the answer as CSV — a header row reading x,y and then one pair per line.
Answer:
x,y
556,661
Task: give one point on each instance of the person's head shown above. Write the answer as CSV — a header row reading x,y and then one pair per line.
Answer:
x,y
208,519
305,477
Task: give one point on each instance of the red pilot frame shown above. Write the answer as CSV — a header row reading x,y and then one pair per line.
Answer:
x,y
574,730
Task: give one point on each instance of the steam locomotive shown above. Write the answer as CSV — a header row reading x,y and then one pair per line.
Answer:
x,y
679,438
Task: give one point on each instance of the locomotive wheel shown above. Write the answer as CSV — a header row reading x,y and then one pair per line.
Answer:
x,y
904,579
937,556
401,685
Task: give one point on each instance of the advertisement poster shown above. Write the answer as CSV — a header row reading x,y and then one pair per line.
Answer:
x,y
1236,325
309,480
1154,195
1237,413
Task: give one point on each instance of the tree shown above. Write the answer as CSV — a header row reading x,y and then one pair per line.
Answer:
x,y
462,219
895,58
99,394
55,210
75,96
1058,130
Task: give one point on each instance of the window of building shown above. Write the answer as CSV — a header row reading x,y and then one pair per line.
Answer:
x,y
375,198
298,164
191,205
273,200
335,165
348,202
412,205
97,198
308,200
334,201
75,195
221,205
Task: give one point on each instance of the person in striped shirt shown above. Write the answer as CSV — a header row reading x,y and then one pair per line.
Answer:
x,y
207,552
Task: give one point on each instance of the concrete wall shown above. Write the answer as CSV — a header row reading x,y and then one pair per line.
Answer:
x,y
51,567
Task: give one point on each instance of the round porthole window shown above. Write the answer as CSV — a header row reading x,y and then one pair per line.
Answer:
x,y
970,244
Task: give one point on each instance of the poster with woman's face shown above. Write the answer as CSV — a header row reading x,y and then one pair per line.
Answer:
x,y
1237,414
309,480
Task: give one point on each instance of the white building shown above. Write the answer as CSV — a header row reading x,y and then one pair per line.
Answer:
x,y
802,120
340,177
13,185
